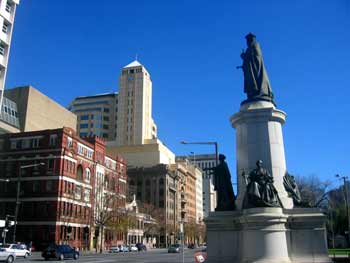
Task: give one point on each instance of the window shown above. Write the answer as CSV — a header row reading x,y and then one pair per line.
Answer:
x,y
98,125
106,110
77,194
80,173
8,7
87,175
49,186
105,135
5,28
84,126
87,195
2,50
105,118
53,140
84,117
36,186
26,144
105,126
83,134
35,142
69,142
50,164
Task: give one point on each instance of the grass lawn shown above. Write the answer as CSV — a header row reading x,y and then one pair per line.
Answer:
x,y
345,251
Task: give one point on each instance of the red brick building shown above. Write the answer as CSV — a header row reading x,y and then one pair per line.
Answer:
x,y
62,199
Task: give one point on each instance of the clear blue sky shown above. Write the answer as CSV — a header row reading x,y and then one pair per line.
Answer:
x,y
191,48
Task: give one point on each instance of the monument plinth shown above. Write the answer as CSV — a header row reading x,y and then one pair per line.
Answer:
x,y
259,136
267,226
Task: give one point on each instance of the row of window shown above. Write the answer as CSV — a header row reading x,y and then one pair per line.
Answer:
x,y
97,125
93,117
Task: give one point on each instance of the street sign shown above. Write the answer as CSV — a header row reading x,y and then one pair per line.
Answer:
x,y
2,223
200,257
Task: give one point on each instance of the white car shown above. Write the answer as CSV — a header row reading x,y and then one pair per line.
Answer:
x,y
133,248
114,249
6,256
18,249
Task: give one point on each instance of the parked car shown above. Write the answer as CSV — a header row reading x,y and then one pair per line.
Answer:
x,y
141,247
114,249
19,249
7,256
133,248
60,252
123,248
174,248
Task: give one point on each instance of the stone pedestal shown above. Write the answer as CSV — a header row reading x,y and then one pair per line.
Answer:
x,y
307,240
267,235
259,137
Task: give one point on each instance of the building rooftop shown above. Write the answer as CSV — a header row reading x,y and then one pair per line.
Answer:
x,y
135,63
97,95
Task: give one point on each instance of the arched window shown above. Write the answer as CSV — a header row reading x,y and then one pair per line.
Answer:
x,y
80,173
87,175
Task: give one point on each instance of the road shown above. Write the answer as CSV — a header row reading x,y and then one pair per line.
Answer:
x,y
151,256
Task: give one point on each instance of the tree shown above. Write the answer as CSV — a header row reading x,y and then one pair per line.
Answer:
x,y
313,189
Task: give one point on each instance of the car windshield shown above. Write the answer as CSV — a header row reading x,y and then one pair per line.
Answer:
x,y
50,248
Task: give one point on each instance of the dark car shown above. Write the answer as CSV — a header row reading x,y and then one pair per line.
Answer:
x,y
174,248
60,252
141,247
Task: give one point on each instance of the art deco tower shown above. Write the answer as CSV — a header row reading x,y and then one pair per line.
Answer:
x,y
134,117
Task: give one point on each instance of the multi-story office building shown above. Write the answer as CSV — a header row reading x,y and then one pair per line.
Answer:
x,y
27,109
7,18
157,187
97,115
9,121
135,124
136,131
204,161
61,200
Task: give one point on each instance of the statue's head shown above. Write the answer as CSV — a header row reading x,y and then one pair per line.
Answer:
x,y
259,163
222,157
250,38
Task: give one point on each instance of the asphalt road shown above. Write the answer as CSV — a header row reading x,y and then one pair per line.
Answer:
x,y
151,256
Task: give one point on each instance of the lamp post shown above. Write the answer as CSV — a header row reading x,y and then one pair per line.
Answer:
x,y
346,201
17,194
206,143
4,180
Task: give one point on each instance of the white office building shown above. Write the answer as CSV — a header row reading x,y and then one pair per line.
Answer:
x,y
7,18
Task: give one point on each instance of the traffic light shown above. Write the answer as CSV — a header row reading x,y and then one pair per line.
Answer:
x,y
69,230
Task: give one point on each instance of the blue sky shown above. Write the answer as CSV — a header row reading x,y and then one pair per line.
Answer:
x,y
191,48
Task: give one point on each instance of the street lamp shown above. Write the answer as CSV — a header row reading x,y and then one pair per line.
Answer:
x,y
346,201
17,194
212,143
4,180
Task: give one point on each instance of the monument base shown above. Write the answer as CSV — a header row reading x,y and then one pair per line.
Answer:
x,y
267,235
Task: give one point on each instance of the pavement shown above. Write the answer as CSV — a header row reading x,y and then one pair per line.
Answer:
x,y
150,256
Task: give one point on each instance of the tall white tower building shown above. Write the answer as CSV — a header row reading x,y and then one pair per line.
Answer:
x,y
134,117
136,132
7,18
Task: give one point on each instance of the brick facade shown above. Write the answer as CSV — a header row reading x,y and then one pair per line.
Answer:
x,y
59,200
